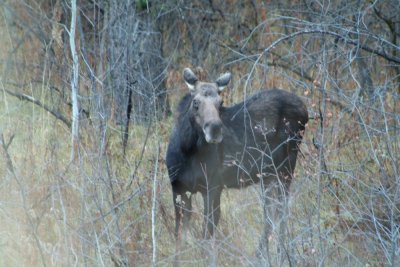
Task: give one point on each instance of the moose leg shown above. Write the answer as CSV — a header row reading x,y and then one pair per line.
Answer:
x,y
183,207
282,216
212,212
275,207
274,196
263,246
285,178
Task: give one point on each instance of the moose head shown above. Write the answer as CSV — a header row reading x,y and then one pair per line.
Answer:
x,y
206,104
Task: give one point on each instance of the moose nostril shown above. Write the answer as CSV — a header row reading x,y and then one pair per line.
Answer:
x,y
213,131
216,128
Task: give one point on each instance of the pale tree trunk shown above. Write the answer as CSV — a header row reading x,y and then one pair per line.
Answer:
x,y
154,210
74,82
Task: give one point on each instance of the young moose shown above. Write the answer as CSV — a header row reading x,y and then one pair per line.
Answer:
x,y
213,147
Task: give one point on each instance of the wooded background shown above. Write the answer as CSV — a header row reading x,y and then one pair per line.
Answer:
x,y
88,93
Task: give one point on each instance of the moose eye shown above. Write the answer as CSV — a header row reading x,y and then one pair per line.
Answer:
x,y
196,104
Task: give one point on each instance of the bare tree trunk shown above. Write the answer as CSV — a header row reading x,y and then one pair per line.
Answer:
x,y
74,83
154,210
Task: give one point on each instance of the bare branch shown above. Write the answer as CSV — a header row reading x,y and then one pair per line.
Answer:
x,y
35,101
341,37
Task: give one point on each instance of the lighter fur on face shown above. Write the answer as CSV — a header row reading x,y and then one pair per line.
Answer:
x,y
206,104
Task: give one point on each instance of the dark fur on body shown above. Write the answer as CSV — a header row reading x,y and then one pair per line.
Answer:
x,y
260,141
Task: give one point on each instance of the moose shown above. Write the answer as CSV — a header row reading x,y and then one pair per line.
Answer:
x,y
213,147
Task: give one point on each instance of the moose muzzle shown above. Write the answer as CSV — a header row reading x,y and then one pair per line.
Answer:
x,y
213,131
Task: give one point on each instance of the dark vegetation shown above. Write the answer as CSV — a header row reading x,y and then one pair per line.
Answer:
x,y
86,119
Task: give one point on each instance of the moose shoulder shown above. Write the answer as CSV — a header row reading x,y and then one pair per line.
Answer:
x,y
213,147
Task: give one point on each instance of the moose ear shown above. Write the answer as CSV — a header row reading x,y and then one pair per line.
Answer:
x,y
190,78
223,80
